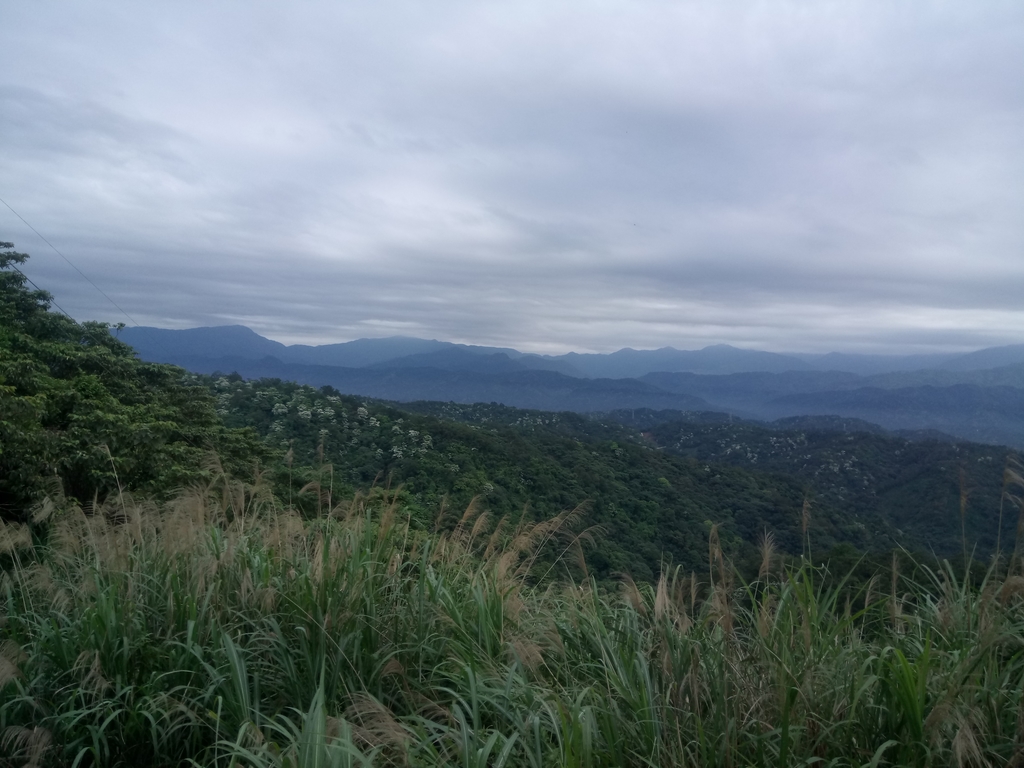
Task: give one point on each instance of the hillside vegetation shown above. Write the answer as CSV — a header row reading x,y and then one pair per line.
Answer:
x,y
222,630
645,507
651,498
209,571
78,410
914,485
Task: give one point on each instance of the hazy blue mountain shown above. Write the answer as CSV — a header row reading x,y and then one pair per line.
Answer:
x,y
717,359
167,346
160,345
985,404
540,390
557,364
456,359
757,393
479,360
237,341
361,352
749,391
969,411
972,405
1006,376
868,365
992,357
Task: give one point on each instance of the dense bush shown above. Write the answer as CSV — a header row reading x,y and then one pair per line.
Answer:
x,y
218,629
78,410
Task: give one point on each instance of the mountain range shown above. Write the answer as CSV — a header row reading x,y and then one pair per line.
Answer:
x,y
977,396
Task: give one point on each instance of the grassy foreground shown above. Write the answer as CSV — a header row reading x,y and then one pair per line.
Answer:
x,y
219,630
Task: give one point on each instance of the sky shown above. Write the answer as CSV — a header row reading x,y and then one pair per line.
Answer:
x,y
551,176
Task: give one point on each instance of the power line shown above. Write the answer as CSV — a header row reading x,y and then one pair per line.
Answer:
x,y
29,281
69,262
102,363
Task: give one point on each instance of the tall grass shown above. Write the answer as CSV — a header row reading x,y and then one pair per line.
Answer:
x,y
220,630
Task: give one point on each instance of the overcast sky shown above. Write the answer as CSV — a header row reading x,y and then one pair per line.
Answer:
x,y
551,176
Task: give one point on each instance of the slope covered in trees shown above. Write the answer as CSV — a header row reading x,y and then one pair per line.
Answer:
x,y
653,495
916,486
649,507
77,409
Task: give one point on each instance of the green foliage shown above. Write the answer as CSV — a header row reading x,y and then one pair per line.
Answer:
x,y
221,630
647,508
410,586
905,492
78,409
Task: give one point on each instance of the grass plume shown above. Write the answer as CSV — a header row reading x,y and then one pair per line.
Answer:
x,y
220,630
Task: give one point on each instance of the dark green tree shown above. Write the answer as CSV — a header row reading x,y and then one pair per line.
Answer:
x,y
77,408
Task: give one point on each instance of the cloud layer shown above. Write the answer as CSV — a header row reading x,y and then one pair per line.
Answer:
x,y
549,176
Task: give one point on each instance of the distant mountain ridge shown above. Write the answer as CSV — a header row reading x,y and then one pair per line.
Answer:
x,y
539,390
977,413
952,396
992,357
237,341
717,359
165,345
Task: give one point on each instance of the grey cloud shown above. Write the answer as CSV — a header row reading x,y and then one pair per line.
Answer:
x,y
552,178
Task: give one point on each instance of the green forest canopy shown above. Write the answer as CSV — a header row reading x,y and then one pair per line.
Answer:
x,y
77,408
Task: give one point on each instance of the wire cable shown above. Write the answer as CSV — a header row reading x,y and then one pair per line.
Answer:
x,y
69,262
51,300
101,362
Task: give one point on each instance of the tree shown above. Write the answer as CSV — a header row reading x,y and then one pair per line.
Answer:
x,y
78,408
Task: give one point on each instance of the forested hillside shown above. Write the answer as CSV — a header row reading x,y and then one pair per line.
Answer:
x,y
653,495
648,507
916,486
78,411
